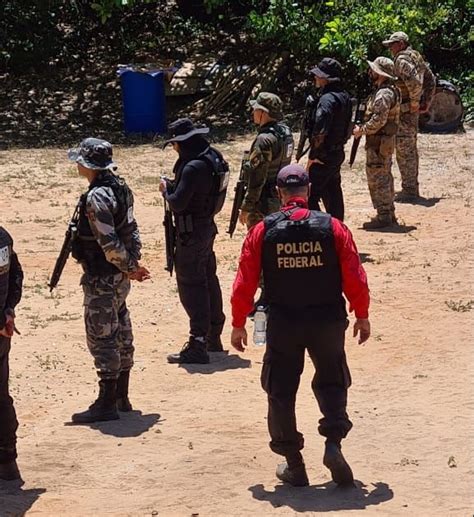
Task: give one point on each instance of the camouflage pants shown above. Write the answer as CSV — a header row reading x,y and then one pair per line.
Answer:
x,y
407,153
108,325
264,207
379,150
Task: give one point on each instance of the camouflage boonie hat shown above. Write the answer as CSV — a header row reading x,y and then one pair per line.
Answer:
x,y
383,66
270,103
395,37
93,153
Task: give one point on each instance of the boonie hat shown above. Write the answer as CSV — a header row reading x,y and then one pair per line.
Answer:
x,y
327,68
383,66
93,153
395,37
292,175
182,129
270,103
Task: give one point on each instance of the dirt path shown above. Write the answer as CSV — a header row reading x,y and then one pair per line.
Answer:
x,y
197,444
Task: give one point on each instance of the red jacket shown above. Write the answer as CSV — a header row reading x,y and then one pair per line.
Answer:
x,y
354,278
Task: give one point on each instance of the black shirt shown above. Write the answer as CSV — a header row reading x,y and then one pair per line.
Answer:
x,y
193,184
332,118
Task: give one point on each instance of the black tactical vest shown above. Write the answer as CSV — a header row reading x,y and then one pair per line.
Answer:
x,y
212,203
339,130
6,244
85,248
300,264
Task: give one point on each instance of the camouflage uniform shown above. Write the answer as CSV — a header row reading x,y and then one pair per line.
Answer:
x,y
271,150
107,246
414,78
107,319
380,127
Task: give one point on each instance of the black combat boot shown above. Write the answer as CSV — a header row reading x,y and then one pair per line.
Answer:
x,y
193,352
293,471
104,408
214,344
123,402
9,471
334,460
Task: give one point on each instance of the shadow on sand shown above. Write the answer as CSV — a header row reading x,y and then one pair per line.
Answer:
x,y
129,425
326,497
220,362
427,202
16,502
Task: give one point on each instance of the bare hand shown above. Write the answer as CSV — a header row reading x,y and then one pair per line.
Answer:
x,y
163,187
414,108
8,329
140,274
243,216
357,132
238,339
362,327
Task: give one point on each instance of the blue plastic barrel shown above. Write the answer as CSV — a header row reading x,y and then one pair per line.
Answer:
x,y
144,101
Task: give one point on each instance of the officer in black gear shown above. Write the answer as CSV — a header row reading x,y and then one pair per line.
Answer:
x,y
11,282
195,196
309,261
331,130
108,247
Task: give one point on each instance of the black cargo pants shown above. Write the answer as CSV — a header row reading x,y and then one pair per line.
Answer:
x,y
289,334
326,184
198,285
8,421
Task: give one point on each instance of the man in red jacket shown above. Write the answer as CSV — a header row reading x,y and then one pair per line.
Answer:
x,y
309,260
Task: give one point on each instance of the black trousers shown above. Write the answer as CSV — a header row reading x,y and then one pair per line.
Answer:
x,y
289,334
326,185
8,421
198,285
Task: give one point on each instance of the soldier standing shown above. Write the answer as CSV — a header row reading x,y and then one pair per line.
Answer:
x,y
417,85
308,259
331,129
11,283
380,127
270,151
108,248
195,198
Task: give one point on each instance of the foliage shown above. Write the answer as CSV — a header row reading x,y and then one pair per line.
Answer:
x,y
105,8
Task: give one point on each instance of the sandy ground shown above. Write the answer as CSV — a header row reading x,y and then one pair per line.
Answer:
x,y
197,442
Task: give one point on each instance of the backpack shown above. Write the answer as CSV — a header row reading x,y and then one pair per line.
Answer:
x,y
221,175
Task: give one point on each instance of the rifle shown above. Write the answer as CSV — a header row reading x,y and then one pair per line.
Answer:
x,y
71,234
307,123
240,190
358,119
170,237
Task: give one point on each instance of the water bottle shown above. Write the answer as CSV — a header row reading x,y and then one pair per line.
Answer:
x,y
260,326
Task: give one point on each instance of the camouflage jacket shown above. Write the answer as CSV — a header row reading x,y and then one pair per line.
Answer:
x,y
271,150
383,110
101,208
414,77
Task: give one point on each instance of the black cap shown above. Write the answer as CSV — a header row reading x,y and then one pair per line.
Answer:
x,y
292,175
182,129
327,68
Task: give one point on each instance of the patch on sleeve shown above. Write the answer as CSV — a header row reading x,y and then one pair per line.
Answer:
x,y
91,215
130,215
4,256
